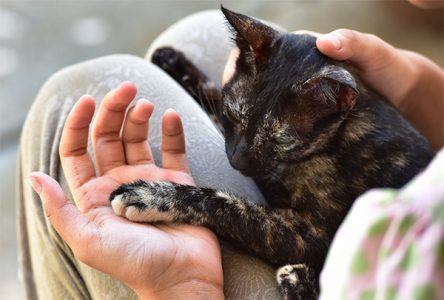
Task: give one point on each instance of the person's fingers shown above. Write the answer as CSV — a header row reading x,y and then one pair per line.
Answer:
x,y
230,66
173,142
107,144
135,133
74,228
367,51
76,162
379,63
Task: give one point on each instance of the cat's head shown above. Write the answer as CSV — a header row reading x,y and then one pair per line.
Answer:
x,y
285,100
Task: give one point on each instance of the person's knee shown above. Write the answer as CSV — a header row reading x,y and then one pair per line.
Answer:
x,y
86,73
96,77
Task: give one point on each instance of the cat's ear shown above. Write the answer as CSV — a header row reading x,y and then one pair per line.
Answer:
x,y
250,34
333,85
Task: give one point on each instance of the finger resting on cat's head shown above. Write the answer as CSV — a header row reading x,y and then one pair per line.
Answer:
x,y
230,66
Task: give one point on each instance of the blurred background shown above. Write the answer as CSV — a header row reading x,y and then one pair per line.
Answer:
x,y
37,38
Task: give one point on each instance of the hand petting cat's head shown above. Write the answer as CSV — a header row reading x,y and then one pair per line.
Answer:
x,y
285,99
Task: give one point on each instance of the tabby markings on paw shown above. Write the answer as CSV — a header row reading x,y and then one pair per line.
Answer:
x,y
287,274
141,204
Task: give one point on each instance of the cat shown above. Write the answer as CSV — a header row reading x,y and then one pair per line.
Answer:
x,y
310,133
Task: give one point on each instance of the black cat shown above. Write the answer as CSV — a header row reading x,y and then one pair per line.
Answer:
x,y
309,132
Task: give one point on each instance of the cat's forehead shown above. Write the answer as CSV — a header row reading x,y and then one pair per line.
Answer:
x,y
299,41
296,58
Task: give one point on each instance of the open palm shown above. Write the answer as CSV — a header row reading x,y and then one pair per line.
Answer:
x,y
154,260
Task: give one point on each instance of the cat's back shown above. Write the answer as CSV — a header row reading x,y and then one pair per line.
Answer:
x,y
375,148
379,142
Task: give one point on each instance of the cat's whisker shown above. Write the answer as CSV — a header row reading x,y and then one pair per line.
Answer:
x,y
196,96
213,106
200,98
205,102
212,111
209,108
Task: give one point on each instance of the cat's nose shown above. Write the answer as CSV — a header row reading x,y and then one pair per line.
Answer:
x,y
239,162
238,157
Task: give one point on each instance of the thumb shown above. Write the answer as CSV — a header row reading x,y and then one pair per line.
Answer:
x,y
62,214
367,51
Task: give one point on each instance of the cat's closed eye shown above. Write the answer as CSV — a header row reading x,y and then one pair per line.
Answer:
x,y
233,115
283,139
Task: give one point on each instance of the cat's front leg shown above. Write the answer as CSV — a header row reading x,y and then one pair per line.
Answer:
x,y
276,235
279,236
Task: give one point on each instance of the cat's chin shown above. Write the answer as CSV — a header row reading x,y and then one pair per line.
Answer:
x,y
246,173
250,172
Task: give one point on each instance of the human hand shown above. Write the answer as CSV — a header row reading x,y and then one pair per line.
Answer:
x,y
157,261
390,71
413,83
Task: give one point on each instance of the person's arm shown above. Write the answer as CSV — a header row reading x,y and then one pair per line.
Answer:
x,y
410,81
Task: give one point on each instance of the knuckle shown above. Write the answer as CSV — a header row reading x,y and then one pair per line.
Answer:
x,y
104,134
370,38
174,150
74,151
348,34
138,121
173,133
134,139
353,38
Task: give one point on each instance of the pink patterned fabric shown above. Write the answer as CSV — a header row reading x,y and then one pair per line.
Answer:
x,y
391,245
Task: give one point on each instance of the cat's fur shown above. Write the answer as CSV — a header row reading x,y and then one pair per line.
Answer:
x,y
310,133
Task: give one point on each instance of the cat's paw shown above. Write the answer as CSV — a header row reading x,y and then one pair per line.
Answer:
x,y
145,201
170,60
296,282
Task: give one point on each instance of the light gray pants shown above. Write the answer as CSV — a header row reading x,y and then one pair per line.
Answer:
x,y
48,268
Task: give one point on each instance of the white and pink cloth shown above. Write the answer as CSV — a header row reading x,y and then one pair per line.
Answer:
x,y
391,245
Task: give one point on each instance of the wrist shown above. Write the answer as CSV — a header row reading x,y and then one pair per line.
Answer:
x,y
193,289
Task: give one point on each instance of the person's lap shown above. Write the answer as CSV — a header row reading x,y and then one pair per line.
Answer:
x,y
48,267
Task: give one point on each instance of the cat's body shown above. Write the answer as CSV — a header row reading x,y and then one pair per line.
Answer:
x,y
312,136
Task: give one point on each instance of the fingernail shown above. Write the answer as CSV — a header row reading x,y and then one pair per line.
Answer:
x,y
141,100
334,39
35,183
126,82
85,96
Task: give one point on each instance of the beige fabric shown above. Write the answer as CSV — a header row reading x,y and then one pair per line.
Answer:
x,y
47,267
